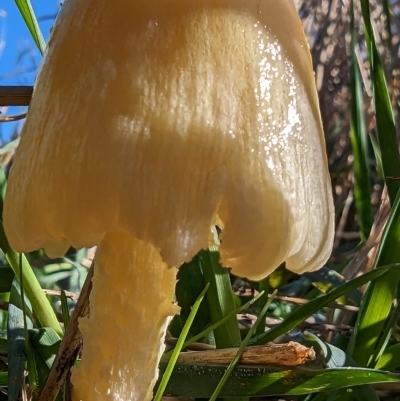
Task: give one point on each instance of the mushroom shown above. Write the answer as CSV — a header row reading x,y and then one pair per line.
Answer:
x,y
150,122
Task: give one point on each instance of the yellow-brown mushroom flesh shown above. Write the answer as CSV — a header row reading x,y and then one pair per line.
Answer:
x,y
149,122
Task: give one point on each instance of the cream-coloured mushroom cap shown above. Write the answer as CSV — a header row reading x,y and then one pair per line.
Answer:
x,y
192,113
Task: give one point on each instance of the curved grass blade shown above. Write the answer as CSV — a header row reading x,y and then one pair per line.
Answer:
x,y
220,299
385,337
359,142
385,122
378,298
337,358
46,341
386,10
174,357
44,344
390,358
377,153
16,340
26,10
304,311
239,353
40,304
204,333
200,380
190,284
30,360
263,287
64,309
334,357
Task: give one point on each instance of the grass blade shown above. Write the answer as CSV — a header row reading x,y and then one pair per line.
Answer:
x,y
386,10
17,324
390,358
174,357
304,311
26,10
243,345
200,380
385,337
40,304
64,309
263,287
378,298
385,122
359,142
235,312
220,299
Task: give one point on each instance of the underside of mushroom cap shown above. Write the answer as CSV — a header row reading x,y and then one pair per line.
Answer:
x,y
158,119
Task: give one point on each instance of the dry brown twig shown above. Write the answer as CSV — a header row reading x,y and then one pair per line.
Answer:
x,y
15,95
70,345
291,354
56,293
8,119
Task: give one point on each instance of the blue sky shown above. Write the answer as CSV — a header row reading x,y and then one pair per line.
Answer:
x,y
19,56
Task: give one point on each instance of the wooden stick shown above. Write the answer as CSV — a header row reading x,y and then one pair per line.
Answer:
x,y
291,354
9,119
56,293
70,345
15,95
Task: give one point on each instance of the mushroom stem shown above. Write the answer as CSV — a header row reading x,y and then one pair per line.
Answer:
x,y
130,307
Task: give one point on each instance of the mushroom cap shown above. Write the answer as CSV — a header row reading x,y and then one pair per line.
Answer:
x,y
161,118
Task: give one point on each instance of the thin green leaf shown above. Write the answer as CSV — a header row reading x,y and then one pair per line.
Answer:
x,y
204,333
32,377
386,10
12,145
390,358
174,357
46,341
64,309
44,344
29,17
319,397
385,338
241,349
220,299
378,297
16,340
200,380
385,122
190,284
263,286
40,304
359,142
303,312
337,358
377,153
334,357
